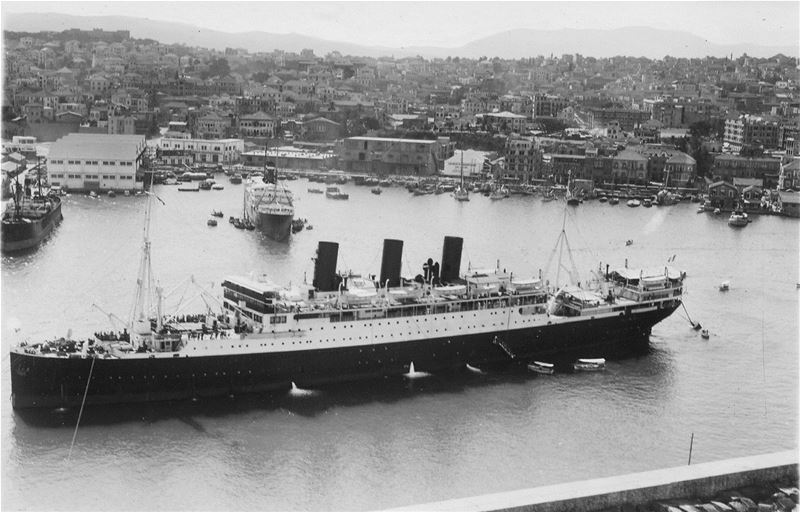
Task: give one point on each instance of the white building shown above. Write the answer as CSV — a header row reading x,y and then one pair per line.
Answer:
x,y
211,152
85,162
472,163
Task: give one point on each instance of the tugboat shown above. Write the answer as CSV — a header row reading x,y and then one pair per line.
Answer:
x,y
28,220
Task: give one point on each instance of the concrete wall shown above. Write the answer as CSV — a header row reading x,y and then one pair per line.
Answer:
x,y
695,481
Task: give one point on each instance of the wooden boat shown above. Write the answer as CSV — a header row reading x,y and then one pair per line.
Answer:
x,y
590,365
541,367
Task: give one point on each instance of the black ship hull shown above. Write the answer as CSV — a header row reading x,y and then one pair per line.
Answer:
x,y
38,381
275,227
27,233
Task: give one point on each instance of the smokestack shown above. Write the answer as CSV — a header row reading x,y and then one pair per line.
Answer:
x,y
325,279
451,258
391,262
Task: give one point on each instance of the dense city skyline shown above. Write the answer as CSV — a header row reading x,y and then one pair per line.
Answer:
x,y
765,23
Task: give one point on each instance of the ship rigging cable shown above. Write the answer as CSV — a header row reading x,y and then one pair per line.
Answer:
x,y
80,412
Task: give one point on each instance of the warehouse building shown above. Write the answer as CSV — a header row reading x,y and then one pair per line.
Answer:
x,y
83,162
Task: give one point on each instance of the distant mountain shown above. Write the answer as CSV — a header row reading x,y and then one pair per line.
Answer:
x,y
518,43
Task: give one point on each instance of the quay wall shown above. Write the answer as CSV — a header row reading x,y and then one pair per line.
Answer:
x,y
698,481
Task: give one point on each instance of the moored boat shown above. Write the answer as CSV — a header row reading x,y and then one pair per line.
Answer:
x,y
27,221
589,365
541,367
334,192
268,205
633,203
738,219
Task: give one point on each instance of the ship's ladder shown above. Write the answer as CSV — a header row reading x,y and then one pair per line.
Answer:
x,y
500,343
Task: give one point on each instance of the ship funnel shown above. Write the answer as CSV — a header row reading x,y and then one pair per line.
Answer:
x,y
325,278
391,262
451,258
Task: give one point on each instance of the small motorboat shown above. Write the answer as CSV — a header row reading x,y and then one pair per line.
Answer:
x,y
217,213
696,326
633,203
377,190
717,211
92,193
628,242
111,193
309,227
602,199
212,222
217,186
541,367
316,191
336,193
704,334
613,200
590,365
738,219
724,286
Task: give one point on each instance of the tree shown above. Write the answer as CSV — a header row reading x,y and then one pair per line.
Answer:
x,y
217,68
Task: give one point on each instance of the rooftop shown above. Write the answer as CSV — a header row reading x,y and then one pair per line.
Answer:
x,y
99,146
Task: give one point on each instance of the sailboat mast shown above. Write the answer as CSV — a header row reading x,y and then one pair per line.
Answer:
x,y
462,168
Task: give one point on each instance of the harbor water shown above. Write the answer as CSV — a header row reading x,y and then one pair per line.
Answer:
x,y
418,438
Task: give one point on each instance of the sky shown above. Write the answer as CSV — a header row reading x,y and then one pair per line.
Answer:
x,y
452,23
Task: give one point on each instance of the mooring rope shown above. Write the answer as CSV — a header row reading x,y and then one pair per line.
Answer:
x,y
80,413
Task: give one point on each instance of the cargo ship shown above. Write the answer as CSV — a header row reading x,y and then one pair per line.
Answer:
x,y
28,220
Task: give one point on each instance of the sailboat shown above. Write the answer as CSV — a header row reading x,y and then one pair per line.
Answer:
x,y
572,199
461,193
268,205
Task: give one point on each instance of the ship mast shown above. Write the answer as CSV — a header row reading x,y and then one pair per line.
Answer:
x,y
462,169
139,322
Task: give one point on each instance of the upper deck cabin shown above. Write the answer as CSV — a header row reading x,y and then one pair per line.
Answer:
x,y
622,289
259,302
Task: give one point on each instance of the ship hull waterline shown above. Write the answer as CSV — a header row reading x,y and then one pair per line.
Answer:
x,y
51,382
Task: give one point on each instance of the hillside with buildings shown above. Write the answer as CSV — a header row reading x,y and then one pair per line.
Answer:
x,y
619,120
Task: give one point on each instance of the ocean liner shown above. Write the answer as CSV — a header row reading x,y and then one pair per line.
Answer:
x,y
261,336
269,205
28,220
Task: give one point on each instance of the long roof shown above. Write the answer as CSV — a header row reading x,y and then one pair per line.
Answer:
x,y
97,146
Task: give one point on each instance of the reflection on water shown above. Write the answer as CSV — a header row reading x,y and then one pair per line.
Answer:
x,y
399,441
